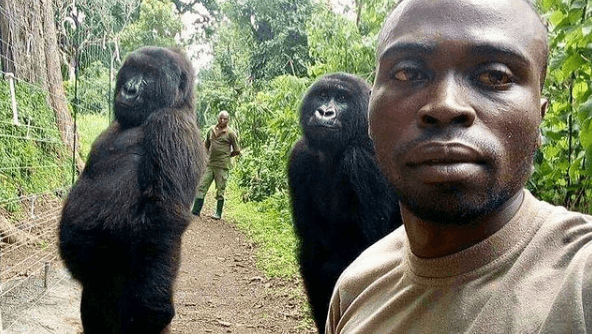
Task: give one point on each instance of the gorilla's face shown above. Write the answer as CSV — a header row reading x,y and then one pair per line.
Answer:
x,y
150,79
334,111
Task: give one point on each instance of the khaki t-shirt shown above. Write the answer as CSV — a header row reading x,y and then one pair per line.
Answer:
x,y
220,144
532,276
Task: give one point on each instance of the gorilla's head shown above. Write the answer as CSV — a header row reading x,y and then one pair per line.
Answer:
x,y
150,79
334,111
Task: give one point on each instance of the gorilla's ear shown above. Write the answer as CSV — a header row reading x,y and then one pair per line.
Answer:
x,y
183,82
183,90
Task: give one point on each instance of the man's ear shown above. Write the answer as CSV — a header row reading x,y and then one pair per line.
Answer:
x,y
544,106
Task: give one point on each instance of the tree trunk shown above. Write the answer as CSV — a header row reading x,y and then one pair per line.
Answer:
x,y
359,5
30,51
21,31
55,85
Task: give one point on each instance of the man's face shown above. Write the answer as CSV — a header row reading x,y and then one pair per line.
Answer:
x,y
456,104
223,120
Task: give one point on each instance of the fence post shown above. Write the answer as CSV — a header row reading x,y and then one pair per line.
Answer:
x,y
15,120
46,269
32,208
28,127
1,331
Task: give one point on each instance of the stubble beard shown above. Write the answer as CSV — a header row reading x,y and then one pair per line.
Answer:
x,y
457,204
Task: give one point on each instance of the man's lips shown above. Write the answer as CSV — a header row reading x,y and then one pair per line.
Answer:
x,y
445,162
443,153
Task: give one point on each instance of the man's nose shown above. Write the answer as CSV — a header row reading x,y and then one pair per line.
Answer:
x,y
447,105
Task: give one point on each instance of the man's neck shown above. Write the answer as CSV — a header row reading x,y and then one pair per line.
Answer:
x,y
431,240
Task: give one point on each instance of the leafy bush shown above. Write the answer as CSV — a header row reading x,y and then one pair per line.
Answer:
x,y
269,130
94,90
563,171
33,158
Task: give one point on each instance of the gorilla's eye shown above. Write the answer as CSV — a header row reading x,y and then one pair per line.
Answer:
x,y
341,97
323,93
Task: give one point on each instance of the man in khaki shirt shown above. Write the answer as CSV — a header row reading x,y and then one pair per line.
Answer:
x,y
455,113
222,144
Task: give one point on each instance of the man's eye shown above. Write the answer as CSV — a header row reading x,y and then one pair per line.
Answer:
x,y
409,74
497,79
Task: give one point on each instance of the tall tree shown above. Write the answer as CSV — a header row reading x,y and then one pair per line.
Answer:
x,y
158,24
278,30
30,52
89,30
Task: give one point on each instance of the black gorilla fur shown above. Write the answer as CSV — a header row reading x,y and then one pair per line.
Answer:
x,y
341,203
121,227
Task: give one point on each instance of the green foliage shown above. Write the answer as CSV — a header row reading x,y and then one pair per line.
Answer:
x,y
33,158
563,171
90,127
336,45
373,15
276,32
158,25
94,90
269,224
269,129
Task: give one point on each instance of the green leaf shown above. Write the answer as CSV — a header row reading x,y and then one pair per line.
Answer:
x,y
587,29
586,108
586,133
571,64
588,161
556,18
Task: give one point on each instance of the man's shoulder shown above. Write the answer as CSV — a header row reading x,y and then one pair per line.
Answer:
x,y
231,132
560,218
210,130
564,234
375,261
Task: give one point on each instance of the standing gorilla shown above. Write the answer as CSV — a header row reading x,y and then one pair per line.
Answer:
x,y
121,227
341,202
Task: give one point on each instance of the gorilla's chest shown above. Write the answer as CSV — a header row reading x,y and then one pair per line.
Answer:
x,y
333,189
119,156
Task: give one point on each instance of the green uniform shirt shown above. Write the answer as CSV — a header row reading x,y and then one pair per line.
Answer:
x,y
220,147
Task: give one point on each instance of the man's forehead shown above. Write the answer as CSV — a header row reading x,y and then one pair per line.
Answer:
x,y
458,15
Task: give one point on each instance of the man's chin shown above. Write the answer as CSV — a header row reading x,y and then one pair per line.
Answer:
x,y
453,208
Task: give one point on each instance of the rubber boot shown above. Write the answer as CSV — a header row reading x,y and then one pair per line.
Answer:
x,y
218,214
197,206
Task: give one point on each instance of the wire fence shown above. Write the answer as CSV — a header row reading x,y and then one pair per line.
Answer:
x,y
37,168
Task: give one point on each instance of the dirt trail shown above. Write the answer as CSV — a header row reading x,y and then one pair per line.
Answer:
x,y
218,290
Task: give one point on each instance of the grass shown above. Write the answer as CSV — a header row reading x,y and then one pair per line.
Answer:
x,y
89,127
268,224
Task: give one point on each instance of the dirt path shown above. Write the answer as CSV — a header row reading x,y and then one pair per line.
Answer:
x,y
219,290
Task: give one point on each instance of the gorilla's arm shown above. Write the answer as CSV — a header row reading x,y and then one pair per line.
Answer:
x,y
379,203
307,218
171,164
